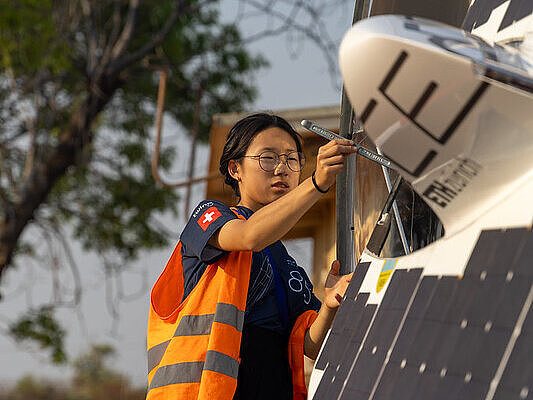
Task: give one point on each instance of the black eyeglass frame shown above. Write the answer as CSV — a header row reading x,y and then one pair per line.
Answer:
x,y
301,158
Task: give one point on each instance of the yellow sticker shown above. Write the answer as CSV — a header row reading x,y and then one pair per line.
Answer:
x,y
386,272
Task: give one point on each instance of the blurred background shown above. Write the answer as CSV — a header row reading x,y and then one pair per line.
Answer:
x,y
84,228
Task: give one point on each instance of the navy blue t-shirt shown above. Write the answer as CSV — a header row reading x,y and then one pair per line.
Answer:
x,y
261,306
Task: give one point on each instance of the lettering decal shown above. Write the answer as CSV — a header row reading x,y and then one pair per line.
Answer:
x,y
201,207
443,190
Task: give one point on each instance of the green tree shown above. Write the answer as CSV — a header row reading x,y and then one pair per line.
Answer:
x,y
75,98
40,327
76,106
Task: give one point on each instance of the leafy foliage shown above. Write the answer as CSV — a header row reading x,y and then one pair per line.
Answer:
x,y
77,91
39,326
109,195
31,19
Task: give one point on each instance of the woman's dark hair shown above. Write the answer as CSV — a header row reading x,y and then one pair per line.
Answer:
x,y
243,133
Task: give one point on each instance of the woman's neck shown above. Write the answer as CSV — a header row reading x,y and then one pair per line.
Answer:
x,y
254,207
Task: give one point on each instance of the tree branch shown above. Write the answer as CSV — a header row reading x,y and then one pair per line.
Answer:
x,y
30,157
6,171
108,48
315,31
92,57
181,7
72,263
127,32
72,142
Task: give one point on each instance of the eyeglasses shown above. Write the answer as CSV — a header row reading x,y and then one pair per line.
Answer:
x,y
269,160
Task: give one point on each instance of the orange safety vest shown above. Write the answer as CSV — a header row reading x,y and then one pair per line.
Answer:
x,y
193,347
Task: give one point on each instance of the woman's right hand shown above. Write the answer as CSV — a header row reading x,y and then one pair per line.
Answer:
x,y
330,161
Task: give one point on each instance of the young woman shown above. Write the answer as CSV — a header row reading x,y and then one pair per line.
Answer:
x,y
232,313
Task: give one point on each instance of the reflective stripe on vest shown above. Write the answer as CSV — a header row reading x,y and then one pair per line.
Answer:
x,y
155,354
191,325
201,324
190,372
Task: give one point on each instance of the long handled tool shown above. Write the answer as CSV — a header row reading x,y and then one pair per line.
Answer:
x,y
363,151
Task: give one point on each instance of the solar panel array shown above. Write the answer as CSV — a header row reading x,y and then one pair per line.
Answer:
x,y
439,337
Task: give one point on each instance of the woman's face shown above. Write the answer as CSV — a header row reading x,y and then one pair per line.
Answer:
x,y
258,187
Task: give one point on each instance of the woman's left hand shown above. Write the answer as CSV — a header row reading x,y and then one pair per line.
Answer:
x,y
335,286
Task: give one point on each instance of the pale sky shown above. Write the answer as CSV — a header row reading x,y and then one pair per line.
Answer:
x,y
298,77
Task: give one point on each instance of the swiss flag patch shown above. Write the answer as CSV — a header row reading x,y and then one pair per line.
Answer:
x,y
208,217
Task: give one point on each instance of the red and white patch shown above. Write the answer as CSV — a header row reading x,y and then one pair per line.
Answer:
x,y
208,217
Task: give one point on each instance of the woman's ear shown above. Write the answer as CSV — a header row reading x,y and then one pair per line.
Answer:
x,y
234,170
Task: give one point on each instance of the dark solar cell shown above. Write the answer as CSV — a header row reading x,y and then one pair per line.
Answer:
x,y
519,371
338,346
472,390
344,320
492,347
354,394
496,250
422,345
383,329
413,322
351,313
522,261
441,301
461,301
509,308
334,338
448,387
399,380
326,382
402,284
444,345
424,294
406,382
486,295
386,384
507,247
355,312
357,280
484,250
507,394
343,349
449,340
359,334
342,366
347,351
462,360
427,386
430,327
354,343
365,372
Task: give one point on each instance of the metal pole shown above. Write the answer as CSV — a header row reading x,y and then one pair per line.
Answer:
x,y
399,223
345,188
